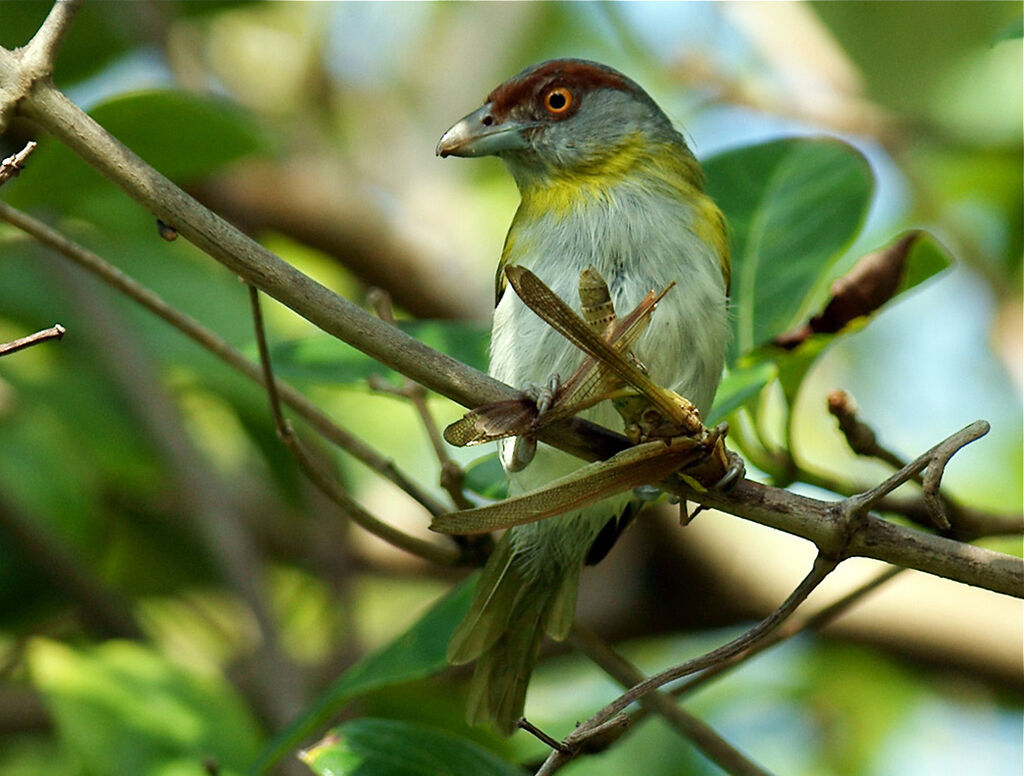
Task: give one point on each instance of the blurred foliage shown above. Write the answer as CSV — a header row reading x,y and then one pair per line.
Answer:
x,y
927,100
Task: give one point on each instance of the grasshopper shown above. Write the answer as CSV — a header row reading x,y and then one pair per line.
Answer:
x,y
665,427
590,383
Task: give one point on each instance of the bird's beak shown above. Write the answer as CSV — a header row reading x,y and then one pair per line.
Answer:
x,y
480,134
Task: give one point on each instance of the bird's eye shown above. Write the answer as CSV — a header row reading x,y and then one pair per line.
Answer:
x,y
558,100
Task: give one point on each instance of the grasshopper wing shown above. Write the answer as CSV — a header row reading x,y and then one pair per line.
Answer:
x,y
493,421
639,465
543,301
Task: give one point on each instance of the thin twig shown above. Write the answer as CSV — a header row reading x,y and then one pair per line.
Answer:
x,y
452,475
701,735
54,332
12,166
330,487
784,632
823,566
859,435
524,724
788,630
207,339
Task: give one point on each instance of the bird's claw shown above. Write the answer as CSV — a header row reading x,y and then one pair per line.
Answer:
x,y
544,395
736,471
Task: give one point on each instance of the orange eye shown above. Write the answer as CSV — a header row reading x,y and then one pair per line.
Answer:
x,y
558,100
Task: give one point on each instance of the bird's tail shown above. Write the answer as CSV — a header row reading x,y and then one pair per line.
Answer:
x,y
512,609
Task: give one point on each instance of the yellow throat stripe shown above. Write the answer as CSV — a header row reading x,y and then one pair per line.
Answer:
x,y
564,192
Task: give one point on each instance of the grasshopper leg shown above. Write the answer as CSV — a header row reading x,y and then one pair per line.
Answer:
x,y
525,446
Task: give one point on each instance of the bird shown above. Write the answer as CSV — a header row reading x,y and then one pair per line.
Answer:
x,y
605,180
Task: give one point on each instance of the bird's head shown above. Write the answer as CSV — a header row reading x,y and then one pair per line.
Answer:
x,y
565,118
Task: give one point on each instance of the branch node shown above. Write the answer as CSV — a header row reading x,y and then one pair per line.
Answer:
x,y
12,166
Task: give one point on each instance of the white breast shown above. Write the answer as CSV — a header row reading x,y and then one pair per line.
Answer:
x,y
639,242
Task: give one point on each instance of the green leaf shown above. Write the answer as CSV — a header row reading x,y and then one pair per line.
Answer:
x,y
122,708
1012,31
486,478
739,385
381,747
184,136
417,653
324,359
793,206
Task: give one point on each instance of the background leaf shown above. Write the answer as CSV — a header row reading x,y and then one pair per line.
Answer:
x,y
125,709
324,359
184,136
417,653
919,257
793,206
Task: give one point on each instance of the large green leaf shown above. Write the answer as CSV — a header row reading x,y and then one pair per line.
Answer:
x,y
382,747
184,136
322,358
793,206
122,708
417,653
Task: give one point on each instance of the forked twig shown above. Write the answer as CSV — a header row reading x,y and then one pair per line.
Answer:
x,y
863,441
699,733
786,631
822,567
327,484
935,461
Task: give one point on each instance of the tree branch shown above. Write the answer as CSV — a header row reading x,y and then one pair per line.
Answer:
x,y
12,166
40,55
818,521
